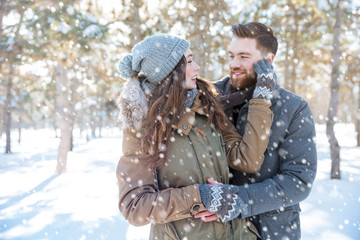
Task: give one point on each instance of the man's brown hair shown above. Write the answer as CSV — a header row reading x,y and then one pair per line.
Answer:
x,y
265,39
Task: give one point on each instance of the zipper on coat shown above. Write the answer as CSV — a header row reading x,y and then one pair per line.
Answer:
x,y
206,142
197,160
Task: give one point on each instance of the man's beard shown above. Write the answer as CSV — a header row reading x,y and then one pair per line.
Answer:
x,y
242,83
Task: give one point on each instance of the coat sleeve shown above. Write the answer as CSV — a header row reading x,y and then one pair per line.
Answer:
x,y
246,153
297,169
140,201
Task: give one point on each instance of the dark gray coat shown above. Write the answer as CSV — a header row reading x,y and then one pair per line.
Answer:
x,y
287,174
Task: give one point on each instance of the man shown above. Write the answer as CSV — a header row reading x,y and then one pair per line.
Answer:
x,y
270,197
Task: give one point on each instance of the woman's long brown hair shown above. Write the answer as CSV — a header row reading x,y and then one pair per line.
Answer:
x,y
166,103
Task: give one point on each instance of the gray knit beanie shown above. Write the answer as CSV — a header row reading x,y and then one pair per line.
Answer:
x,y
155,56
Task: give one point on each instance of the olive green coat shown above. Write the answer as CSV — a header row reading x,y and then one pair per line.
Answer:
x,y
169,197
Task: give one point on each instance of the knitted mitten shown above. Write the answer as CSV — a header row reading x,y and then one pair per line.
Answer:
x,y
266,80
223,200
190,97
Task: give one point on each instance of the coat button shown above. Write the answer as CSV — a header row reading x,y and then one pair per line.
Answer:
x,y
196,207
185,127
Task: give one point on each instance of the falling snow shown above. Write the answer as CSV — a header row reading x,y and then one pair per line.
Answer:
x,y
82,204
93,31
64,28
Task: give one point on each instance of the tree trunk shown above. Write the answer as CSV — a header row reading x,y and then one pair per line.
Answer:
x,y
55,127
93,120
87,135
196,49
8,107
135,20
20,107
101,108
206,43
74,85
100,126
2,118
334,97
20,128
2,11
81,120
63,112
100,119
2,107
294,59
11,57
287,66
358,119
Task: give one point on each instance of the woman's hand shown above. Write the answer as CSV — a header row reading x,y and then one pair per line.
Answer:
x,y
206,216
213,182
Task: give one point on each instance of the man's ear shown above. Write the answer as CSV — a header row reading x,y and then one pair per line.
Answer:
x,y
270,57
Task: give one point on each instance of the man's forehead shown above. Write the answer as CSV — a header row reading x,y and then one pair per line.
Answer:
x,y
245,46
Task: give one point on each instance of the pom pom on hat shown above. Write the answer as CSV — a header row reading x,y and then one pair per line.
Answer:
x,y
125,67
154,58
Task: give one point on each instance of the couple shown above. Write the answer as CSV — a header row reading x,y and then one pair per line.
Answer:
x,y
184,137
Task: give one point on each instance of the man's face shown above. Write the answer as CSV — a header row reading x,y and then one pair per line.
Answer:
x,y
242,54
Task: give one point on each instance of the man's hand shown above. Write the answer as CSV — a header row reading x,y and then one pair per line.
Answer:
x,y
223,200
208,216
266,80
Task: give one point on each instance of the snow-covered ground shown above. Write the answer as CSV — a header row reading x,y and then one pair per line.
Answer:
x,y
37,204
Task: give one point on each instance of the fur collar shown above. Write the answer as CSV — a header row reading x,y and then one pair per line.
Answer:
x,y
133,104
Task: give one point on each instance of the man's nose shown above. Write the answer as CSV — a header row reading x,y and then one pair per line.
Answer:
x,y
235,63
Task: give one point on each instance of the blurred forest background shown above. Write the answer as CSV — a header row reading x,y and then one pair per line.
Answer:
x,y
58,59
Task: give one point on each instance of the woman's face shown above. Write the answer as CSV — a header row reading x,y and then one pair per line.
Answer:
x,y
192,70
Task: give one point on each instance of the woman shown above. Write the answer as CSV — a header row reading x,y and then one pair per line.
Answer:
x,y
174,133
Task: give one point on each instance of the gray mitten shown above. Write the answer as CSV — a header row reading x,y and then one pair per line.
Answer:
x,y
223,200
266,80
